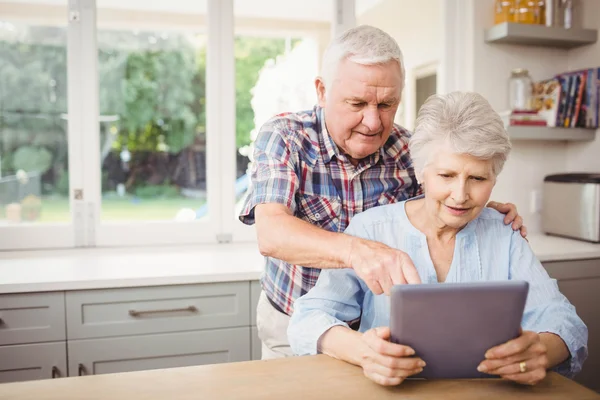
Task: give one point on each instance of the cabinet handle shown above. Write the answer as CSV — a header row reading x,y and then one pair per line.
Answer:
x,y
81,370
1,322
55,372
135,313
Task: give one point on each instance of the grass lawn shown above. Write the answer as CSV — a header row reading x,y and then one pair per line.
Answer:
x,y
56,209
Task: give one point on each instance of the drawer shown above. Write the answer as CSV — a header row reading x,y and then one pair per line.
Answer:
x,y
255,290
167,350
136,311
26,362
32,318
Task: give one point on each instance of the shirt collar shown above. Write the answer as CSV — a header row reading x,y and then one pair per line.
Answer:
x,y
328,147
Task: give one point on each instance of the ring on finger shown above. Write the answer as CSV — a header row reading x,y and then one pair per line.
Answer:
x,y
523,366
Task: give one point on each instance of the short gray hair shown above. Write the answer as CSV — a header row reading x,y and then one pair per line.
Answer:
x,y
365,45
464,121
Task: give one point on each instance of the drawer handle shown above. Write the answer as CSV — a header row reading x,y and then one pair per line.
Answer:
x,y
81,370
55,372
135,313
1,322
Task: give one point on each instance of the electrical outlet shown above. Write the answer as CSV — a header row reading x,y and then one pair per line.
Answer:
x,y
535,202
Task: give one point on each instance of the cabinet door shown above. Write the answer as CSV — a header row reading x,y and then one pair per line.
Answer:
x,y
579,281
32,318
33,361
255,290
136,353
256,344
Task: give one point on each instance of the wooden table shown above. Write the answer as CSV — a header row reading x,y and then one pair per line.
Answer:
x,y
298,378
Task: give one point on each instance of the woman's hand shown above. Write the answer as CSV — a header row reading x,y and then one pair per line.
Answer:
x,y
523,360
387,363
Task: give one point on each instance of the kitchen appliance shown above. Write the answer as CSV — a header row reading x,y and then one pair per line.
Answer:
x,y
571,206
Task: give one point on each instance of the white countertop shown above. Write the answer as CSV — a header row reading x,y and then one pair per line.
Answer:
x,y
76,269
551,248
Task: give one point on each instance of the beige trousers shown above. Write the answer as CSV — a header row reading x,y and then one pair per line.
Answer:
x,y
272,330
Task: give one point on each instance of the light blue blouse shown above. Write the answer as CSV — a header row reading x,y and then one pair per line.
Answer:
x,y
485,250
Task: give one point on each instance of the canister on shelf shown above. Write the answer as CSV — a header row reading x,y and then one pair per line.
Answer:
x,y
504,11
525,11
520,90
540,12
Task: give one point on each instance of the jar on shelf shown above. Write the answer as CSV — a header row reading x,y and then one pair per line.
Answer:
x,y
540,12
520,90
504,11
525,11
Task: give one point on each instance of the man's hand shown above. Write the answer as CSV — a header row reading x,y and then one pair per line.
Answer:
x,y
387,363
523,360
381,266
511,215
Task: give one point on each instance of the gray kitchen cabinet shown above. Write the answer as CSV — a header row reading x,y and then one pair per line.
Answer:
x,y
579,281
135,353
161,309
255,343
255,290
33,361
32,318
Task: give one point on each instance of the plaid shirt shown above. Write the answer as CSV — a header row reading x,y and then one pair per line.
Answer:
x,y
297,164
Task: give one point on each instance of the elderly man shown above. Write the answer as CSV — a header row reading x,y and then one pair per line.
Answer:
x,y
315,170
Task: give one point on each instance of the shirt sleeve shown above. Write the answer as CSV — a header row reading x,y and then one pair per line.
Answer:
x,y
336,299
546,309
273,177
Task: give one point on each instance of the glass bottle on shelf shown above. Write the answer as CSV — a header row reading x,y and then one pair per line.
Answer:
x,y
568,13
540,12
520,90
504,11
525,11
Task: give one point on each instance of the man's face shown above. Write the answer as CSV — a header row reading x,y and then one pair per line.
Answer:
x,y
360,106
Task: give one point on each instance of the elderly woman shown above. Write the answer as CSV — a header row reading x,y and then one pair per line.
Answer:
x,y
458,148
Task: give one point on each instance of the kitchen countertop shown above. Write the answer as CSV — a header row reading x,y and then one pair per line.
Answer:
x,y
97,268
552,248
292,378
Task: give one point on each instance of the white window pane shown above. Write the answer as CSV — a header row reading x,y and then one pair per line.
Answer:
x,y
277,53
152,71
34,182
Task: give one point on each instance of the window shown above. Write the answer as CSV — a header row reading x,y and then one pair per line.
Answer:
x,y
152,124
277,54
34,180
132,122
34,139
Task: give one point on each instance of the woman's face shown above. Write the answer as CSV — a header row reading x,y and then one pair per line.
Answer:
x,y
457,187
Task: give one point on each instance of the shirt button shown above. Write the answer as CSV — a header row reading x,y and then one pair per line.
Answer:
x,y
317,215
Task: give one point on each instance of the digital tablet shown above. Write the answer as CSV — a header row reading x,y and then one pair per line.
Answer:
x,y
451,325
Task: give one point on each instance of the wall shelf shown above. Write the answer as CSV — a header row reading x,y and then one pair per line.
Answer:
x,y
546,133
540,35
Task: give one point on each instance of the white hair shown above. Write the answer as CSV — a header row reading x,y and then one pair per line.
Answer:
x,y
365,45
463,121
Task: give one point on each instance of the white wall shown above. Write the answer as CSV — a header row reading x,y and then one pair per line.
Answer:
x,y
416,26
